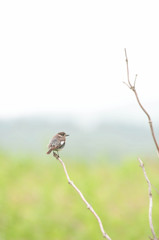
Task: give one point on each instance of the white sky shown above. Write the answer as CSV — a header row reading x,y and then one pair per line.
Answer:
x,y
67,57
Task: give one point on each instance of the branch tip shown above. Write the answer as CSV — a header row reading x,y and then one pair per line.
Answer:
x,y
125,53
135,80
127,85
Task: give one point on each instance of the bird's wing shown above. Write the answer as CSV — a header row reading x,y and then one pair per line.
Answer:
x,y
54,144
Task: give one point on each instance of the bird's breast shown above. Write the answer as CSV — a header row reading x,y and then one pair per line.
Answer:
x,y
62,144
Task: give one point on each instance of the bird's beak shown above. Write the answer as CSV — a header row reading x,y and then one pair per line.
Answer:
x,y
67,135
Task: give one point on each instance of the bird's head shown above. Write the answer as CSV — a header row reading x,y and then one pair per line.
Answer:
x,y
63,134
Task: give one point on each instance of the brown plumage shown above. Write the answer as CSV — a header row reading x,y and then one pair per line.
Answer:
x,y
57,142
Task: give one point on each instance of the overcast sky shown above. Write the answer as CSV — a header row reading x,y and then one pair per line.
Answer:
x,y
67,57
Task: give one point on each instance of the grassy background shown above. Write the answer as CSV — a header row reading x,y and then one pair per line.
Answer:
x,y
37,203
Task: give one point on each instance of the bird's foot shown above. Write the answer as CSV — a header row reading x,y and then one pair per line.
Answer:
x,y
56,155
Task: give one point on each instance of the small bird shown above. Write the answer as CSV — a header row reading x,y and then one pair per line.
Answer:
x,y
57,142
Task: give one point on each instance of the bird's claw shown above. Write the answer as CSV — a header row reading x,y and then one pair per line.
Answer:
x,y
56,155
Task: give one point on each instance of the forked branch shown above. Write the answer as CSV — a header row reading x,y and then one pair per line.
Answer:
x,y
133,88
150,199
105,235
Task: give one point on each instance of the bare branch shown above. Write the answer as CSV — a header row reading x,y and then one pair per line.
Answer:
x,y
132,87
150,199
127,65
127,85
105,235
135,80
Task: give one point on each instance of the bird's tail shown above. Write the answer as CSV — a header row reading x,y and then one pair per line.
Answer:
x,y
50,150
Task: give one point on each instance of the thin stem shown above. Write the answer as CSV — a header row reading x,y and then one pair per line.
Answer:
x,y
105,235
135,80
150,121
150,199
127,65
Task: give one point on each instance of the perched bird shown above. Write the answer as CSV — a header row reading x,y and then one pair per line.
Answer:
x,y
57,142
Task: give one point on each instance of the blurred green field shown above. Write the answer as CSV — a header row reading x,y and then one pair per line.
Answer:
x,y
36,202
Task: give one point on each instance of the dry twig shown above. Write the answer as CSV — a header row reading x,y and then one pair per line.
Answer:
x,y
132,87
150,199
105,235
